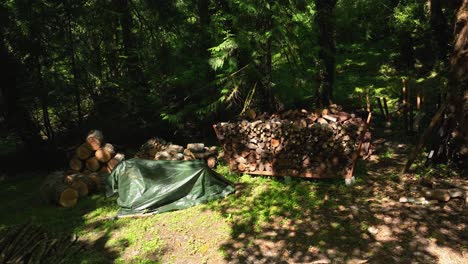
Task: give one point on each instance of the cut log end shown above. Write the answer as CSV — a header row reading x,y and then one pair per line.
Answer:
x,y
95,139
93,164
68,198
105,153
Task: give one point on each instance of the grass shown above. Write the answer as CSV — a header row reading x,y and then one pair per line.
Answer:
x,y
260,201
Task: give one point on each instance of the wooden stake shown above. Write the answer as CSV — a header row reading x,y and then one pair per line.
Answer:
x,y
368,105
418,100
405,107
410,109
350,173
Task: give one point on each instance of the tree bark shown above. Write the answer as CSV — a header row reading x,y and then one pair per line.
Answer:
x,y
458,85
71,49
439,29
17,118
325,20
131,62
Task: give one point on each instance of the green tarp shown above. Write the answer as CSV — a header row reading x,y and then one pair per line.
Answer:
x,y
155,186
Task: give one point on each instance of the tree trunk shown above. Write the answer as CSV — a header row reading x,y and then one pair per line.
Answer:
x,y
458,85
439,29
406,50
76,89
17,118
134,71
325,20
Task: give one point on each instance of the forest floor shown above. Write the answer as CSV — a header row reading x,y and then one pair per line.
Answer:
x,y
266,221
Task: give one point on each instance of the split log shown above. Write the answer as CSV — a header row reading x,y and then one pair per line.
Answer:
x,y
95,139
93,164
105,153
84,151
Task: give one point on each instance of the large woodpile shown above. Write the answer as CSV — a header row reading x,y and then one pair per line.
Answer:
x,y
323,144
94,155
28,243
159,149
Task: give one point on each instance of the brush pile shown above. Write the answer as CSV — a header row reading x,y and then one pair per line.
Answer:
x,y
94,155
159,149
28,243
295,143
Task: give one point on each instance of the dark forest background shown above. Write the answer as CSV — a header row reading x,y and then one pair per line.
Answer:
x,y
140,68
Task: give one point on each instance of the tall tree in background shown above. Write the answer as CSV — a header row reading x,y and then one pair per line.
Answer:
x,y
439,29
12,111
131,62
325,20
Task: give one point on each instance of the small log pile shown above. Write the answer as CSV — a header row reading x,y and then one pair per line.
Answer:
x,y
295,143
159,149
94,155
65,188
29,243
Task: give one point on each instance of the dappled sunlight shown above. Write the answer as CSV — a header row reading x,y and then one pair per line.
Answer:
x,y
282,221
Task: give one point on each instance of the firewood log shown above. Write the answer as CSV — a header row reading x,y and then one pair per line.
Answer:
x,y
95,139
80,187
115,160
60,193
174,149
105,153
97,179
76,164
93,164
196,147
83,151
105,170
211,162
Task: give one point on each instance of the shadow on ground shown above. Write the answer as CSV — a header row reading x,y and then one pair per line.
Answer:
x,y
277,221
20,197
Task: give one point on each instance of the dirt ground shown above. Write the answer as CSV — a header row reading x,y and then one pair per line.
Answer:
x,y
369,225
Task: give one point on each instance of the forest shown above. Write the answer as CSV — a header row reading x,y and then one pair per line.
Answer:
x,y
179,70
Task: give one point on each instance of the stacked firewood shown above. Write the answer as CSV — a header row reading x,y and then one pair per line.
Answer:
x,y
159,149
65,188
29,243
94,155
295,143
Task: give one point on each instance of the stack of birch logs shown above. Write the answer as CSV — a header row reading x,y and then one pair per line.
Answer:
x,y
94,155
89,163
28,243
159,149
294,143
